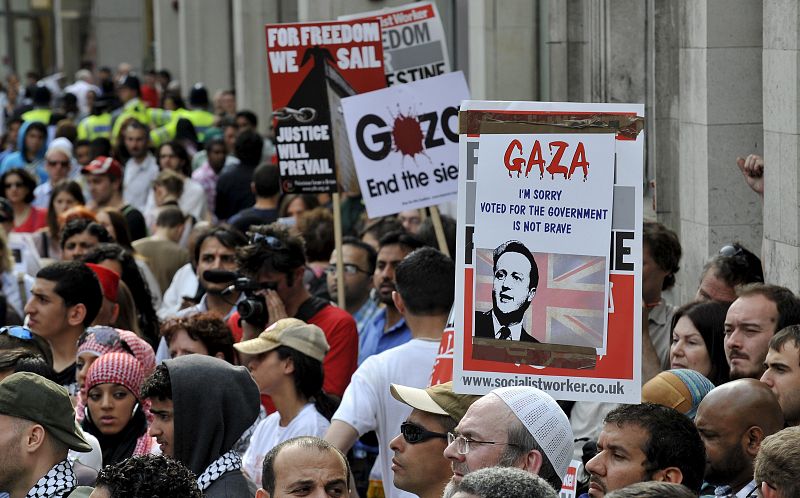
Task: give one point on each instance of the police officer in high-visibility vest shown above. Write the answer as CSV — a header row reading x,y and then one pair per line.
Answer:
x,y
197,114
41,106
132,106
98,124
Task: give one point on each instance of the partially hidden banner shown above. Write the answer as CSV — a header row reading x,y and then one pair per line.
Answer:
x,y
549,249
404,143
414,43
312,66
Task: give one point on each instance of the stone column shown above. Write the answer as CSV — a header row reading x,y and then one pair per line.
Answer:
x,y
204,31
119,32
503,43
663,104
165,34
781,142
720,118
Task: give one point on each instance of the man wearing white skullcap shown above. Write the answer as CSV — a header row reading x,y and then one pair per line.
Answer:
x,y
519,427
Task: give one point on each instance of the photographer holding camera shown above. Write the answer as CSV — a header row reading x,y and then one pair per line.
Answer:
x,y
274,263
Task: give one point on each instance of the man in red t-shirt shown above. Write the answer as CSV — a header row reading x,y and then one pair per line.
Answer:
x,y
276,260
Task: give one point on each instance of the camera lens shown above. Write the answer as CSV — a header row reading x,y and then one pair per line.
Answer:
x,y
253,310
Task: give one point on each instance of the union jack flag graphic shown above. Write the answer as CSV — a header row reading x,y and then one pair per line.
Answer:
x,y
570,302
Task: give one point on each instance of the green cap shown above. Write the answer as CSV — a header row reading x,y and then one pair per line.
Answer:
x,y
32,397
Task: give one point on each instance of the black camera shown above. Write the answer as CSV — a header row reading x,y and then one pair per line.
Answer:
x,y
253,308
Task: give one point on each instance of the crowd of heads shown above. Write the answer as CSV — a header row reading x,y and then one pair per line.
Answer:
x,y
176,295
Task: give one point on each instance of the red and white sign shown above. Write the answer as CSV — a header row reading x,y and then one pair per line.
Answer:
x,y
311,67
556,201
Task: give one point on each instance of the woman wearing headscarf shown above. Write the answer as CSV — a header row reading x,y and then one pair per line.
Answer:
x,y
100,340
114,413
680,389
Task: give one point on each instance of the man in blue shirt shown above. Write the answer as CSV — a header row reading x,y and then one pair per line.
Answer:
x,y
388,329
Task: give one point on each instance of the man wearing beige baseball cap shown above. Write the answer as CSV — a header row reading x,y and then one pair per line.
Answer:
x,y
419,466
37,429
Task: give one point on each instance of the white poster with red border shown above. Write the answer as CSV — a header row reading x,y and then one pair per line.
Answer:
x,y
404,143
607,371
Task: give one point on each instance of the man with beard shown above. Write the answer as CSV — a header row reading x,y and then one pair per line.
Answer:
x,y
752,320
646,442
214,250
388,328
733,420
514,285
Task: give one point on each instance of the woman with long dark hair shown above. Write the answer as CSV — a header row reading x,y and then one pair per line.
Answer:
x,y
174,156
698,334
65,195
286,363
18,185
116,258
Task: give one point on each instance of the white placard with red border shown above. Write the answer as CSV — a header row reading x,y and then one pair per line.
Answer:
x,y
615,373
404,142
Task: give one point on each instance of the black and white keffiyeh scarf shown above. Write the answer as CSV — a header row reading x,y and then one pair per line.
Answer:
x,y
226,463
57,483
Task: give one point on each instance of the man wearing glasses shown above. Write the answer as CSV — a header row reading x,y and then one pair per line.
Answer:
x,y
359,265
59,167
419,466
517,426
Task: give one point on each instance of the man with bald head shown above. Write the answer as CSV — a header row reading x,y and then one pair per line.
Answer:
x,y
733,420
304,466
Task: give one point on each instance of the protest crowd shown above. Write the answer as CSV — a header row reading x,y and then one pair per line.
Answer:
x,y
171,328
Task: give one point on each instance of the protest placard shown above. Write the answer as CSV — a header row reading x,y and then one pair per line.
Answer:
x,y
404,142
414,44
545,190
312,66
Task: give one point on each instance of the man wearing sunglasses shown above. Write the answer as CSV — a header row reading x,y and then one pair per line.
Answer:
x,y
517,426
733,266
419,466
59,166
64,301
425,293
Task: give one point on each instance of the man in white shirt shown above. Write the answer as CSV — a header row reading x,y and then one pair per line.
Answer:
x,y
425,292
141,169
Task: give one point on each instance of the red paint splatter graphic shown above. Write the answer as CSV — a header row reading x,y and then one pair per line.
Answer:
x,y
407,136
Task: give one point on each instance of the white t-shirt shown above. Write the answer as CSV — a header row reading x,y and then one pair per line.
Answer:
x,y
367,404
192,201
184,283
138,181
269,434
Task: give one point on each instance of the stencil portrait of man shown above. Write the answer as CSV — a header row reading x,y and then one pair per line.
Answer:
x,y
514,282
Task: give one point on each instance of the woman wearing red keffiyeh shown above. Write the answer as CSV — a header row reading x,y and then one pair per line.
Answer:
x,y
100,340
114,414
